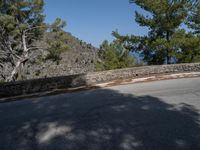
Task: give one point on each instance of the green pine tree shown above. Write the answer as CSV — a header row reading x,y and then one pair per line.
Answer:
x,y
56,39
194,18
163,19
21,24
187,45
113,56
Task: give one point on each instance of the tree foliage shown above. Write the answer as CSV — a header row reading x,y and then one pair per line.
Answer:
x,y
56,41
187,45
113,56
21,24
163,19
194,18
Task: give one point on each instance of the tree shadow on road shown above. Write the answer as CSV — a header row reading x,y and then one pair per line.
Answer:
x,y
98,120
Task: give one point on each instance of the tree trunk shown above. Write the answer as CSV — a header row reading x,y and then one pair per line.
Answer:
x,y
168,58
14,72
167,50
20,62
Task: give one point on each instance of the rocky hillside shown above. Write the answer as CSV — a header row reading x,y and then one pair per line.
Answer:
x,y
79,58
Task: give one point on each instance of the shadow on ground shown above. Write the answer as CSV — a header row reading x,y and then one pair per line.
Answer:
x,y
98,120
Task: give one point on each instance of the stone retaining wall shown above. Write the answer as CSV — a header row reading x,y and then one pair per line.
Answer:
x,y
90,79
105,76
40,85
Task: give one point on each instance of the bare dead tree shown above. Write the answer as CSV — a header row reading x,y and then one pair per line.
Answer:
x,y
16,51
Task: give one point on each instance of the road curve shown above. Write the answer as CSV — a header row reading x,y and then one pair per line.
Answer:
x,y
161,115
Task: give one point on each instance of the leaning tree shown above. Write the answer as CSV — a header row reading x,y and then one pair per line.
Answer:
x,y
21,24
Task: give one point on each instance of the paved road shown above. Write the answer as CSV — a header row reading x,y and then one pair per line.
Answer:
x,y
162,115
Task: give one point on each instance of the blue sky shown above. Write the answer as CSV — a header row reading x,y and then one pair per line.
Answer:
x,y
94,20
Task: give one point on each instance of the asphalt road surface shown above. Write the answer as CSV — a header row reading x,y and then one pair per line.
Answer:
x,y
161,115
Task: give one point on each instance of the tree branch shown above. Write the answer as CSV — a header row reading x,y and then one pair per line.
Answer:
x,y
32,28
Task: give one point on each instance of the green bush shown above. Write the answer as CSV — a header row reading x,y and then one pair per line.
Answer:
x,y
113,56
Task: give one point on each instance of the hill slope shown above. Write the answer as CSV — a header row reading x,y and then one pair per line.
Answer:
x,y
79,58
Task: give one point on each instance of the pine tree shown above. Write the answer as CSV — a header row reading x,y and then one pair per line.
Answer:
x,y
113,56
21,24
56,40
163,20
187,45
194,19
